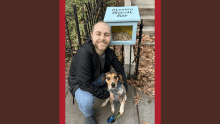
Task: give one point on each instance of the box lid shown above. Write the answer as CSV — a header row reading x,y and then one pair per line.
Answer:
x,y
122,14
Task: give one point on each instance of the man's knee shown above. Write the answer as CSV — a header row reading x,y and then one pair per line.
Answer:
x,y
88,102
85,99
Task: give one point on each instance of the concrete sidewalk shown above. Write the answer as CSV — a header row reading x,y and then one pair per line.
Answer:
x,y
133,114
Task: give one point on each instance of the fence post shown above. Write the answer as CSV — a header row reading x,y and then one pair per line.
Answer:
x,y
139,43
69,37
102,11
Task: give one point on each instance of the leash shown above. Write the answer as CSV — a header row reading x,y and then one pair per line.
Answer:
x,y
115,116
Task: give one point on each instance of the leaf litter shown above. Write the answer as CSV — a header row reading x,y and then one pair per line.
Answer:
x,y
146,71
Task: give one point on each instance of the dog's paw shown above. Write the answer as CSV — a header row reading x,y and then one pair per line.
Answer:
x,y
113,110
122,108
122,111
104,104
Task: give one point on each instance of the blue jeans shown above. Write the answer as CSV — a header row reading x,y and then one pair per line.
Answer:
x,y
86,100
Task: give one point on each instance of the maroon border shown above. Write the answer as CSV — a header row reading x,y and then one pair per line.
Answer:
x,y
62,61
157,62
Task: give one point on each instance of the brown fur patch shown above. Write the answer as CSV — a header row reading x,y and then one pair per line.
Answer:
x,y
120,78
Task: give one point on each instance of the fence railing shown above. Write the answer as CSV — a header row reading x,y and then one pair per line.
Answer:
x,y
78,32
93,14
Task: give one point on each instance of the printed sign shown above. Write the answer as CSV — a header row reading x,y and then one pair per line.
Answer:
x,y
122,12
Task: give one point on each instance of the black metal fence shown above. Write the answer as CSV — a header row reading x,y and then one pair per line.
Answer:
x,y
95,12
67,30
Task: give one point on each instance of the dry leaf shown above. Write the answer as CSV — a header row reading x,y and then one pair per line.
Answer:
x,y
145,122
137,95
153,92
137,99
138,88
150,100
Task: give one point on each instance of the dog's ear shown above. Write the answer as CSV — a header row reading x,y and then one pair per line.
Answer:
x,y
103,78
120,77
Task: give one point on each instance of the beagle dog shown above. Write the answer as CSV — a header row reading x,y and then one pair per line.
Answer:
x,y
115,86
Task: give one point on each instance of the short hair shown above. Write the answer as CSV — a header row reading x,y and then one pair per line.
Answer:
x,y
93,27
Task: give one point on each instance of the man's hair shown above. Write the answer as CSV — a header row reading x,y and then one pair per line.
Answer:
x,y
93,27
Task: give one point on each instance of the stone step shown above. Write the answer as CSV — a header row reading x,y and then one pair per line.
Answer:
x,y
142,2
147,17
146,11
148,30
148,20
144,6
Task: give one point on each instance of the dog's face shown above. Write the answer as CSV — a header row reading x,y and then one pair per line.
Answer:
x,y
112,78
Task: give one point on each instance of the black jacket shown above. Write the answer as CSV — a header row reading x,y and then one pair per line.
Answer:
x,y
86,68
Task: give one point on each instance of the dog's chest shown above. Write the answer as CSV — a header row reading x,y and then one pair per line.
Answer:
x,y
120,91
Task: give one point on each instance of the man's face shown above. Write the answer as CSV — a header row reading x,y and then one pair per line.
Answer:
x,y
101,36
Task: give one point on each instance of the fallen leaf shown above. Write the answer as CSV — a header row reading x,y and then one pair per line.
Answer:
x,y
137,99
150,100
153,92
145,122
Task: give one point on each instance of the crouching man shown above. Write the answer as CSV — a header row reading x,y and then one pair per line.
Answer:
x,y
87,68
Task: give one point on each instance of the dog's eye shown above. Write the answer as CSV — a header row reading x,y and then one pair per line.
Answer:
x,y
115,77
108,78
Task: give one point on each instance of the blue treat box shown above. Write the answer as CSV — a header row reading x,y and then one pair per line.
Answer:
x,y
123,23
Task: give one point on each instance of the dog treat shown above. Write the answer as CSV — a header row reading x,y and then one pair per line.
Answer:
x,y
121,36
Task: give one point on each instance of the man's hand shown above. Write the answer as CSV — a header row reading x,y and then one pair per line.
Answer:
x,y
111,96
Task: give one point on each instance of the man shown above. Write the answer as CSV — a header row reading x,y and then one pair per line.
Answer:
x,y
87,68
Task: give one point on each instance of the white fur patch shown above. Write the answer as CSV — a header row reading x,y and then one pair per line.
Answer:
x,y
122,108
105,103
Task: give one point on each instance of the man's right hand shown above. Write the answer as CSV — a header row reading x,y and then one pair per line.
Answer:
x,y
111,96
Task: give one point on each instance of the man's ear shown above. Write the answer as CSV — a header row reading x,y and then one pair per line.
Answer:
x,y
91,34
120,77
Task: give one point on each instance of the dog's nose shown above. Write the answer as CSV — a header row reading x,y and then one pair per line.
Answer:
x,y
113,84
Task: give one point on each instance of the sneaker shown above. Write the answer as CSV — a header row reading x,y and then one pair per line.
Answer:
x,y
90,120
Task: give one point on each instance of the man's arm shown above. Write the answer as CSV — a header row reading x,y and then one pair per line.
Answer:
x,y
84,73
119,68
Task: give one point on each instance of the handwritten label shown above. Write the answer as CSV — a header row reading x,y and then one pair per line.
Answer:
x,y
122,12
